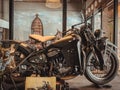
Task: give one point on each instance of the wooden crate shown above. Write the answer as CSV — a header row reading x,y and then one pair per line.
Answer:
x,y
45,83
40,83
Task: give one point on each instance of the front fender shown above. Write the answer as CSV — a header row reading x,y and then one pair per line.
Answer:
x,y
110,45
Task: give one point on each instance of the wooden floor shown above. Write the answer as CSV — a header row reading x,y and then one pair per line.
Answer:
x,y
81,83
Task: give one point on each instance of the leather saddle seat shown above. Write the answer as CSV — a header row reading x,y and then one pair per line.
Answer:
x,y
41,38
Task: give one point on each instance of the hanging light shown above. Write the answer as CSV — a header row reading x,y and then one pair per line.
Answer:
x,y
53,3
99,1
92,7
96,3
89,9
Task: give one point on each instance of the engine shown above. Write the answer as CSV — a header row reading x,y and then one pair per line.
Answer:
x,y
35,65
51,63
58,62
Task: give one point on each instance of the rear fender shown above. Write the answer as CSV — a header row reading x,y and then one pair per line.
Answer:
x,y
23,48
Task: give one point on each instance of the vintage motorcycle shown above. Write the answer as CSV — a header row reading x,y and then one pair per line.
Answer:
x,y
79,52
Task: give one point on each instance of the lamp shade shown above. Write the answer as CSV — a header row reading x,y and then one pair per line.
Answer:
x,y
53,3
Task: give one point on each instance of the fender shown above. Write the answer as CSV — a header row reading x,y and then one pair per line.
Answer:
x,y
23,48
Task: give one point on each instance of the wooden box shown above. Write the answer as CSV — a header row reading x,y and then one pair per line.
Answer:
x,y
40,83
45,83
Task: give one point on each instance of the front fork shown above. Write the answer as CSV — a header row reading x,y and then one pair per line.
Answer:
x,y
105,55
98,56
82,58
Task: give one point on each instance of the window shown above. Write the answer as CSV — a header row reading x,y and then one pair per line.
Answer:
x,y
108,21
97,21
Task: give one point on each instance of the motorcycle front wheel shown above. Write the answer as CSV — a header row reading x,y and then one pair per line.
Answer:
x,y
100,77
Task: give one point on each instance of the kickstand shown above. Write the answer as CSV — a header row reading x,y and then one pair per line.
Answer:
x,y
103,86
13,82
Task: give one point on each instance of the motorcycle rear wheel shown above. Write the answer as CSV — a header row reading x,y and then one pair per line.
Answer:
x,y
100,77
7,84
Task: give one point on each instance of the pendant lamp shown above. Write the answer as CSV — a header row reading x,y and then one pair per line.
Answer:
x,y
53,3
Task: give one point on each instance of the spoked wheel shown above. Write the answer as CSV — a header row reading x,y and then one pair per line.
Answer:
x,y
100,77
15,80
9,85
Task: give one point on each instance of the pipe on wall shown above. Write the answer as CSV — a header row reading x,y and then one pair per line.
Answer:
x,y
115,22
11,19
2,7
64,22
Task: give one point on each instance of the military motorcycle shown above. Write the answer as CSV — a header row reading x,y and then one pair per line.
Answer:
x,y
79,52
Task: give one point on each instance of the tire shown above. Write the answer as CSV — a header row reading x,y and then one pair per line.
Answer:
x,y
19,54
10,86
110,68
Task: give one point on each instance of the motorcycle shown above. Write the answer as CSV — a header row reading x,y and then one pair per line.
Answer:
x,y
79,52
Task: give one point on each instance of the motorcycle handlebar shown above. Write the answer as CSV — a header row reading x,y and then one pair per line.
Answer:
x,y
76,25
73,27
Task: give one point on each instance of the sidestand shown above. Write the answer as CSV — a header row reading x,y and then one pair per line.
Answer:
x,y
1,87
14,84
5,86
